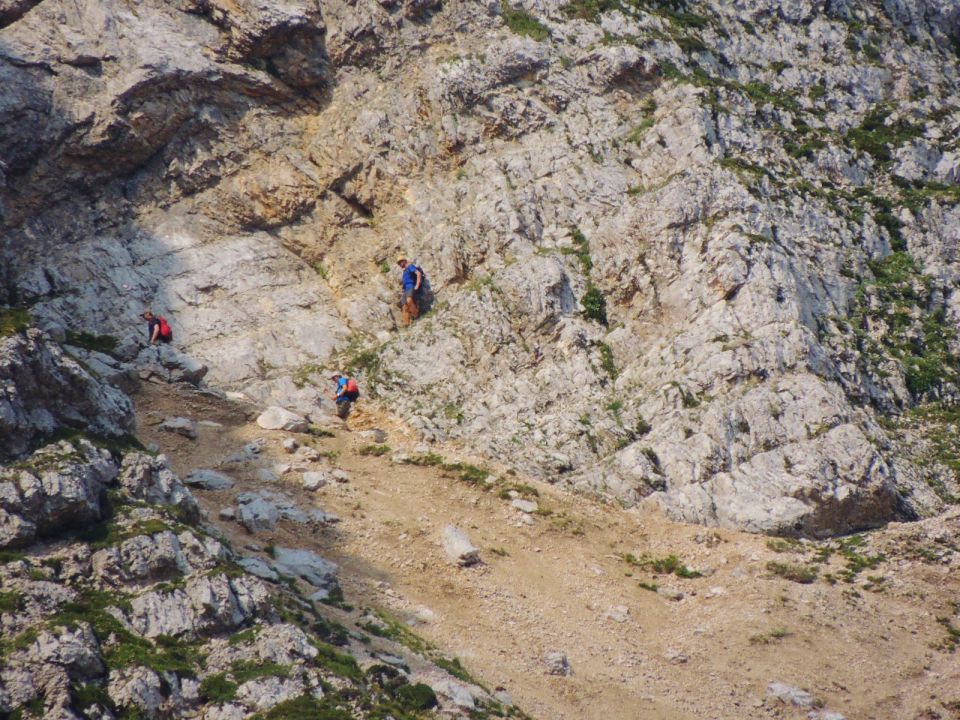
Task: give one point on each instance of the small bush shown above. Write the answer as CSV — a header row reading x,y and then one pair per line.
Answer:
x,y
594,304
416,697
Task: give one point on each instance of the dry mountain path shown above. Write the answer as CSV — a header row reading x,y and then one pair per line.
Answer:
x,y
698,647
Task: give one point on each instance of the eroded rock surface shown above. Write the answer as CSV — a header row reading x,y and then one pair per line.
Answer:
x,y
696,256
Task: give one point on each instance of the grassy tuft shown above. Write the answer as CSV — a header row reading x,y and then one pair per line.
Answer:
x,y
523,23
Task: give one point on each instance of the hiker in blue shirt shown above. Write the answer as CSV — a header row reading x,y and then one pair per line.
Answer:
x,y
346,394
412,290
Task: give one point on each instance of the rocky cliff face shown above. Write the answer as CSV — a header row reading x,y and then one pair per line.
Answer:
x,y
695,251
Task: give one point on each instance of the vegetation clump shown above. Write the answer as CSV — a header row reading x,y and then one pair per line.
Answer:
x,y
13,320
523,23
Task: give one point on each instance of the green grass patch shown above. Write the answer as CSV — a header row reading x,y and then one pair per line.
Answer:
x,y
307,707
340,664
607,362
246,670
374,450
669,565
803,574
920,342
523,23
876,137
468,473
13,320
218,689
11,601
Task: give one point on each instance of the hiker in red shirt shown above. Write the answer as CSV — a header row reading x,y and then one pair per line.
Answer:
x,y
158,329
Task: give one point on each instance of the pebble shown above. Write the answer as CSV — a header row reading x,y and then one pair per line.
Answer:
x,y
227,513
181,426
557,664
290,444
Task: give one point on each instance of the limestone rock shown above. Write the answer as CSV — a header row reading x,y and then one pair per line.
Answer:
x,y
257,514
58,487
277,418
789,695
314,480
150,479
209,480
42,389
180,426
309,566
457,546
524,506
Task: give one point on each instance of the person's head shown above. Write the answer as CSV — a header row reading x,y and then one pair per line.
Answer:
x,y
402,261
336,376
147,315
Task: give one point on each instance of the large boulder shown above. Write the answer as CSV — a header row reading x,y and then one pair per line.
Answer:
x,y
57,488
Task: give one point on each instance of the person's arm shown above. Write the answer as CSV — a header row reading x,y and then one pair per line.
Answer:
x,y
156,333
419,279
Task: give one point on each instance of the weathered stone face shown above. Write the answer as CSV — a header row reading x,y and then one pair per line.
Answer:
x,y
42,388
720,186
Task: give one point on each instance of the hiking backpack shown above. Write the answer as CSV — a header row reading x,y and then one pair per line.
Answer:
x,y
165,332
352,386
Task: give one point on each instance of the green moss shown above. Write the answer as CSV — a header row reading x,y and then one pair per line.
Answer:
x,y
453,666
669,565
466,472
523,23
105,344
13,320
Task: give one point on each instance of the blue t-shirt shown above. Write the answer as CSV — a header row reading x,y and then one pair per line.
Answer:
x,y
410,276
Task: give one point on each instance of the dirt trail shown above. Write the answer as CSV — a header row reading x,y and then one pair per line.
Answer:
x,y
872,648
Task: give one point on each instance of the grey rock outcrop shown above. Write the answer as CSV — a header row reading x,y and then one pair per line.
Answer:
x,y
209,480
150,479
57,488
309,566
42,389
